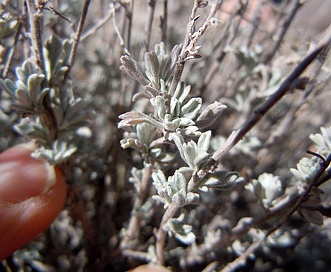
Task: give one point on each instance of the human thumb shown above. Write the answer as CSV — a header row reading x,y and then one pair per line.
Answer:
x,y
32,193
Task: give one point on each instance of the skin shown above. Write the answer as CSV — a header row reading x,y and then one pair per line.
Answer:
x,y
32,193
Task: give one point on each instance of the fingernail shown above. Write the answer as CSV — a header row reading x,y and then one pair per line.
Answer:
x,y
22,176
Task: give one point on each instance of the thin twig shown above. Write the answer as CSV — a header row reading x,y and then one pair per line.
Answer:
x,y
132,232
161,234
285,27
98,25
76,39
265,107
12,51
191,38
125,48
35,19
128,17
151,11
164,22
256,21
242,259
242,228
52,9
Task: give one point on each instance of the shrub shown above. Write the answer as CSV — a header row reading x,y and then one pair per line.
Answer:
x,y
184,144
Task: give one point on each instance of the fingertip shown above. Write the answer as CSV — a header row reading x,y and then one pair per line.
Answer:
x,y
22,221
23,176
150,268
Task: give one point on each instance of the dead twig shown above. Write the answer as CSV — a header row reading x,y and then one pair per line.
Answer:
x,y
76,39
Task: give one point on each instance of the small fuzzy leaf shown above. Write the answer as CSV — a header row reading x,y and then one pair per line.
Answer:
x,y
133,118
58,114
8,86
170,124
312,216
145,133
192,198
152,68
179,199
54,51
204,140
182,232
222,180
305,169
28,69
34,87
59,152
209,115
23,98
267,188
42,95
174,107
131,67
159,104
191,108
20,74
182,92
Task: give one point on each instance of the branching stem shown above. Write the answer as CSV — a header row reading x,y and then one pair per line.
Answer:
x,y
242,259
191,38
132,232
161,234
286,86
285,27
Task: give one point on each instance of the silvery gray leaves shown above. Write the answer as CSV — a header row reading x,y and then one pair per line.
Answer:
x,y
322,141
56,59
158,65
173,189
145,139
194,154
209,115
181,114
220,180
27,91
29,94
178,228
267,188
60,151
307,167
157,68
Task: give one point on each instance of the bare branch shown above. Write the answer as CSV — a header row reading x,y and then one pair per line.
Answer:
x,y
191,38
151,11
132,232
161,234
266,106
76,39
242,259
12,51
35,19
298,4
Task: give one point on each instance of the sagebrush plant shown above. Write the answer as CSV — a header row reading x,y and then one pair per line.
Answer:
x,y
183,145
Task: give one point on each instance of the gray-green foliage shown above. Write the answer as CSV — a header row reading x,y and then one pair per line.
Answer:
x,y
174,193
37,96
8,25
177,120
308,166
